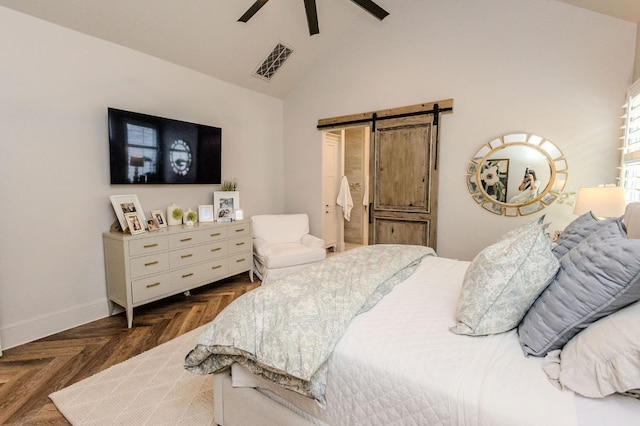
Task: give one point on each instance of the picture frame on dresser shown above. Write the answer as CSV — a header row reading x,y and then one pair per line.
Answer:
x,y
205,212
134,224
224,214
158,216
125,204
226,200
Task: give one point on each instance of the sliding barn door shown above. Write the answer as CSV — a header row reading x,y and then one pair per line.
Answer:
x,y
404,182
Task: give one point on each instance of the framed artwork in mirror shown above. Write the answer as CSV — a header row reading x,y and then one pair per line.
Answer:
x,y
517,174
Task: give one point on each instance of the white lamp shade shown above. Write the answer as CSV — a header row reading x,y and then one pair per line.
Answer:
x,y
602,201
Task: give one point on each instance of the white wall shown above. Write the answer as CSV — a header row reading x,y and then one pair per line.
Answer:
x,y
55,87
535,66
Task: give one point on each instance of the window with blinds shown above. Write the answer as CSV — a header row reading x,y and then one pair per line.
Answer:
x,y
630,160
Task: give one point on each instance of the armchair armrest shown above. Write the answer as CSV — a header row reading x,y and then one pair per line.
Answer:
x,y
312,241
258,246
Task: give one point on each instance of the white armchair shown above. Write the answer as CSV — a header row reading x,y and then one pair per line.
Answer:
x,y
282,244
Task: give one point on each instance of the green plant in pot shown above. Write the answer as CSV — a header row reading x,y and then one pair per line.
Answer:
x,y
191,218
177,214
229,185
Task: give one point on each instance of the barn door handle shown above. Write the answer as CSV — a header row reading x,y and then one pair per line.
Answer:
x,y
370,213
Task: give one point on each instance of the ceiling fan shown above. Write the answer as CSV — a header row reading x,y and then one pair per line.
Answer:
x,y
312,13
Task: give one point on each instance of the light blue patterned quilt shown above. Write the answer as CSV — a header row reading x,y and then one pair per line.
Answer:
x,y
286,330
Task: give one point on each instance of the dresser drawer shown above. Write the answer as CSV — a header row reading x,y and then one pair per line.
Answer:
x,y
201,236
240,245
148,245
150,288
199,274
152,264
239,229
216,269
240,262
196,254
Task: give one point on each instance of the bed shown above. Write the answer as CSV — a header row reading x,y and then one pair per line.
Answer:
x,y
451,342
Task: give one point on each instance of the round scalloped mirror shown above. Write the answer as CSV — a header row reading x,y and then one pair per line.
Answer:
x,y
517,174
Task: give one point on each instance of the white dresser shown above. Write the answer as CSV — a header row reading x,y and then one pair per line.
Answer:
x,y
146,267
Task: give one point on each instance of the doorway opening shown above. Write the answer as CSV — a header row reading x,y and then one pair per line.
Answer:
x,y
346,156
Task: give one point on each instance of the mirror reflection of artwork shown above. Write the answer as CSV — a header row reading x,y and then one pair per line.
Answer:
x,y
501,178
494,178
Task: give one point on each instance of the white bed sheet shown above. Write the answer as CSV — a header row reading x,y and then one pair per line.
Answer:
x,y
399,364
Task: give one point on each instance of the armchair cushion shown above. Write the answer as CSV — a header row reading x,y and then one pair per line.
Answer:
x,y
288,254
282,244
280,228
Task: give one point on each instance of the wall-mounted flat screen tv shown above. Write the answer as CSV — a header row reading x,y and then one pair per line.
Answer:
x,y
145,149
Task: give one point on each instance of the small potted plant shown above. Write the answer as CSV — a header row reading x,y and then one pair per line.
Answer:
x,y
229,185
174,214
190,218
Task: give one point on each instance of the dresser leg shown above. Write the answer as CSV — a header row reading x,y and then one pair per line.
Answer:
x,y
130,317
251,274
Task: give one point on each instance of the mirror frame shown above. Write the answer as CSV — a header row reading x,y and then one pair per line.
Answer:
x,y
559,172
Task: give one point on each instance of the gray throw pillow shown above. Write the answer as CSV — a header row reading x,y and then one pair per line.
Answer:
x,y
503,281
577,231
596,278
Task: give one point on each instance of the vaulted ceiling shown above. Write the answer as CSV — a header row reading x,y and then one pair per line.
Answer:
x,y
205,35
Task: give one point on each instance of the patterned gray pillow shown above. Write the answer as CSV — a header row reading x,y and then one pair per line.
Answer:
x,y
577,231
503,281
598,277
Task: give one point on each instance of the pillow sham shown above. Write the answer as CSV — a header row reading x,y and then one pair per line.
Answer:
x,y
577,231
503,281
601,360
596,278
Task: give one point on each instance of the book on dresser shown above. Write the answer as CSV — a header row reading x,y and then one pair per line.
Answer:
x,y
147,267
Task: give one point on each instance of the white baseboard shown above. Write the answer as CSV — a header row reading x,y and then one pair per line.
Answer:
x,y
36,328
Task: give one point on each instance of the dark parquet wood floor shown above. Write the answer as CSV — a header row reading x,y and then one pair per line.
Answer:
x,y
29,373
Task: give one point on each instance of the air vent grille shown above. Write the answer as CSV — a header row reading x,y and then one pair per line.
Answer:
x,y
274,61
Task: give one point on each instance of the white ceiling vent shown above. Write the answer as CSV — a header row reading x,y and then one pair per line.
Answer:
x,y
274,61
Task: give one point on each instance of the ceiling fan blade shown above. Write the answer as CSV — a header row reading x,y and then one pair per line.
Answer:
x,y
255,7
372,8
312,16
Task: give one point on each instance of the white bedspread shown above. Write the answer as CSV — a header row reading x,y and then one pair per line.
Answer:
x,y
399,364
428,375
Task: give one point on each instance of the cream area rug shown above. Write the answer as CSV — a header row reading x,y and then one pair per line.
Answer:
x,y
152,388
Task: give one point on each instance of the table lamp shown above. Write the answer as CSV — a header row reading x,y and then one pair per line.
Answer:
x,y
602,201
136,162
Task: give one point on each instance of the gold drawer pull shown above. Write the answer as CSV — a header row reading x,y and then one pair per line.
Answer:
x,y
151,263
185,240
240,230
150,245
216,249
217,234
184,256
216,267
187,275
153,285
239,244
240,260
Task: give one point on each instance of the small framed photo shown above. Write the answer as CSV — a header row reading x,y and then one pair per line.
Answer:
x,y
224,214
158,215
134,224
152,225
239,214
205,213
226,200
126,204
